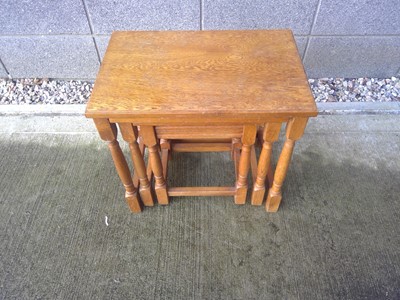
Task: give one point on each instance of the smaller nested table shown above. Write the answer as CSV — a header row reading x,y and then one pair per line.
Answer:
x,y
201,91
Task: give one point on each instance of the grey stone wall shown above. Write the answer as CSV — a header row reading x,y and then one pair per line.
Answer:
x,y
67,39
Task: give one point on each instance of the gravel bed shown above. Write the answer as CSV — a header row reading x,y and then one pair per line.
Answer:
x,y
355,89
48,91
44,91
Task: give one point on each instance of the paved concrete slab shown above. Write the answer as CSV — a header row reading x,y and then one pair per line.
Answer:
x,y
336,235
50,124
43,17
346,37
50,56
258,14
355,17
352,56
301,44
143,15
352,108
102,43
3,73
40,110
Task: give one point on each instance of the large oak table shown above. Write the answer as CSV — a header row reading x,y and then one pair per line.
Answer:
x,y
201,91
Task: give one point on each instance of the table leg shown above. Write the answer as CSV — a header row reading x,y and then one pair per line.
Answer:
x,y
235,154
165,146
270,175
236,145
294,131
270,135
150,140
130,134
108,132
248,139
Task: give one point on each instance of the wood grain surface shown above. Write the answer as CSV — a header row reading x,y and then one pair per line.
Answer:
x,y
201,76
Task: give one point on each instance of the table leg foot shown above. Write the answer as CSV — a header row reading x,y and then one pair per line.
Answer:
x,y
273,201
257,196
133,202
162,195
146,196
241,193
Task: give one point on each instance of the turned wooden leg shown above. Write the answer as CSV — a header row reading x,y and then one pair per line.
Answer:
x,y
253,163
294,131
130,134
235,154
270,135
248,138
236,145
165,146
150,140
108,132
270,175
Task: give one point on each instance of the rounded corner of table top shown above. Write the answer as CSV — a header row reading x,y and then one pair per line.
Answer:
x,y
89,112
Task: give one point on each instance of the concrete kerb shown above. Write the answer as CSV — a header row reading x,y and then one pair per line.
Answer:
x,y
43,110
336,108
359,108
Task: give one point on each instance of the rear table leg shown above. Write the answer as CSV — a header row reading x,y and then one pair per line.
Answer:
x,y
150,140
130,134
270,135
248,138
165,146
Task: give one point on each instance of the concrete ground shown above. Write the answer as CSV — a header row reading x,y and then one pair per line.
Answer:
x,y
336,235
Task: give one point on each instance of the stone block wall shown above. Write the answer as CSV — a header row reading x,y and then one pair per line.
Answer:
x,y
67,39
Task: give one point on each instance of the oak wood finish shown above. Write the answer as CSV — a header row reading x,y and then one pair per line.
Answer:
x,y
202,191
270,135
165,146
236,145
294,130
248,139
270,175
148,169
270,172
235,154
203,140
253,163
200,132
150,140
202,91
135,177
108,132
201,147
149,172
189,77
130,135
180,119
164,161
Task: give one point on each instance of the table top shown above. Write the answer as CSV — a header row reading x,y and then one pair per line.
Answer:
x,y
201,76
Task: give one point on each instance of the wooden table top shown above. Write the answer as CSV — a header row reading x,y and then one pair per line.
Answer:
x,y
187,77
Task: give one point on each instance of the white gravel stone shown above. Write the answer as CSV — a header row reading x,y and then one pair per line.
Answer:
x,y
355,89
44,91
47,91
